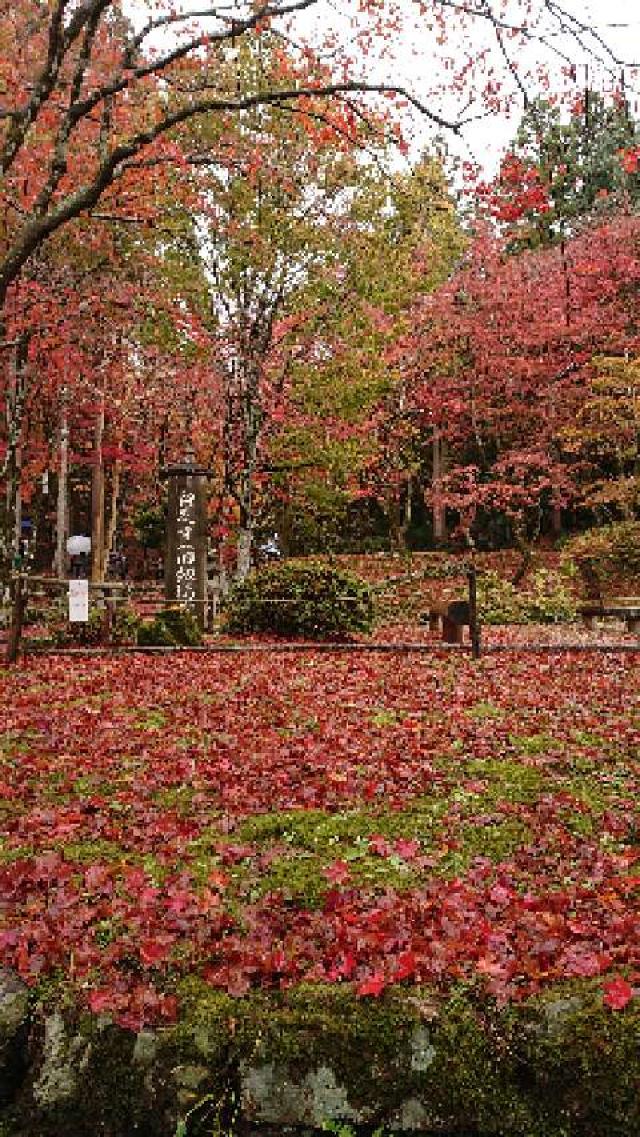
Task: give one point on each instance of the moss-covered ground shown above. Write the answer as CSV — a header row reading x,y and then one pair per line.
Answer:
x,y
320,853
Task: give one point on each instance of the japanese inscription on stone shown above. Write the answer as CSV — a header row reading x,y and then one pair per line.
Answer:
x,y
186,555
186,547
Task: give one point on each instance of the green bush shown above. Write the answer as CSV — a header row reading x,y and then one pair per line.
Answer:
x,y
498,601
124,626
546,601
601,555
149,523
294,599
173,627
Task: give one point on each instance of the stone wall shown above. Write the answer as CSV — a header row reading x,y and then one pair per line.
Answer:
x,y
561,1065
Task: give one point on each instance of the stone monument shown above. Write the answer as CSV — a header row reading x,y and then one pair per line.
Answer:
x,y
185,576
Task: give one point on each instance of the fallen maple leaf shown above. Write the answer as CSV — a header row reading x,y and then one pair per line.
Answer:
x,y
405,965
100,1001
617,993
154,951
407,849
338,872
379,845
374,985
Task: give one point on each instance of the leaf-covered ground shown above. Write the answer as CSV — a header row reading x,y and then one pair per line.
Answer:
x,y
369,819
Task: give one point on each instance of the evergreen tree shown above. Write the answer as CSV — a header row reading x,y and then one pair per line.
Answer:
x,y
557,171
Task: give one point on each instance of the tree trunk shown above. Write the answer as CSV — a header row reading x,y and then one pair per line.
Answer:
x,y
245,546
243,423
17,502
525,546
438,511
113,514
62,530
397,532
11,467
97,503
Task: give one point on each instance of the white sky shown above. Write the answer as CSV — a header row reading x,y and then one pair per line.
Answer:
x,y
484,141
412,59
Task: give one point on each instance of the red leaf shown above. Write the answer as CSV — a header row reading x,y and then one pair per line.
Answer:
x,y
407,849
218,878
374,985
100,1001
405,965
338,872
617,993
379,845
154,951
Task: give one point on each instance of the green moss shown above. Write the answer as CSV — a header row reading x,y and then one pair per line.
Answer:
x,y
176,797
582,1061
365,1042
334,833
472,1080
385,716
299,876
496,840
482,711
508,781
317,839
534,743
10,854
588,738
53,990
151,719
557,1065
93,852
302,876
89,784
14,743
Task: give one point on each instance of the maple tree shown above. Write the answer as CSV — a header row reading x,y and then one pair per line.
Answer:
x,y
501,365
91,106
90,373
401,236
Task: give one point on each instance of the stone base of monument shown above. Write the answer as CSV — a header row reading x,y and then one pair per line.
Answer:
x,y
559,1065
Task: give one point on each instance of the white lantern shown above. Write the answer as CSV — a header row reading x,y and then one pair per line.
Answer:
x,y
78,545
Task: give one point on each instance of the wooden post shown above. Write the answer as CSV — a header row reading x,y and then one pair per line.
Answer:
x,y
108,617
17,618
474,626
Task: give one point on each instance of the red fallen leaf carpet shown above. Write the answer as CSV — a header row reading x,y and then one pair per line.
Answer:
x,y
370,820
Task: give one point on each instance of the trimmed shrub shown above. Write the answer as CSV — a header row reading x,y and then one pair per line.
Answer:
x,y
546,601
173,627
498,601
300,599
602,555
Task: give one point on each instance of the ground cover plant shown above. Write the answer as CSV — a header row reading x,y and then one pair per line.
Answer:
x,y
371,821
